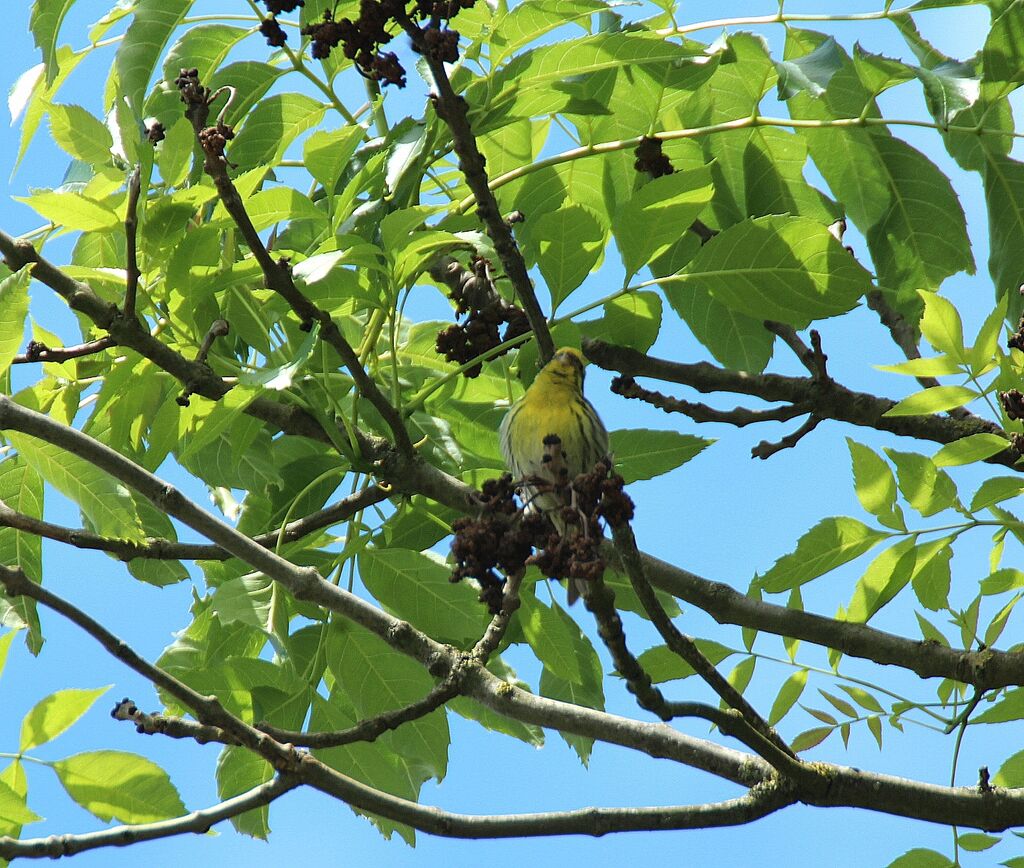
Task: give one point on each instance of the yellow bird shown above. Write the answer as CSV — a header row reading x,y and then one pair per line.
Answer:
x,y
553,405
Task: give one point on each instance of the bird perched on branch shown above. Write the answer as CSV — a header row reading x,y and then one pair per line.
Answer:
x,y
550,436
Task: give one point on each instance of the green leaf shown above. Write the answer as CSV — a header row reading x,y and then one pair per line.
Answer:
x,y
83,136
152,25
811,72
272,126
787,696
374,678
873,479
525,86
926,488
554,640
663,664
811,738
986,345
643,453
840,705
738,341
281,205
921,858
326,153
417,588
113,784
933,366
103,500
930,632
789,269
71,210
829,544
51,716
976,842
1003,54
13,313
930,573
862,698
657,213
967,450
631,320
1001,581
203,47
1011,772
239,770
13,808
1010,707
942,327
533,18
936,399
47,16
571,244
884,578
1004,196
589,692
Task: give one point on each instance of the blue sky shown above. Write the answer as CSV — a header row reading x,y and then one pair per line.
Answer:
x,y
723,516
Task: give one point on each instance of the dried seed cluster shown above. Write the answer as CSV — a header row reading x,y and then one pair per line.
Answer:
x,y
651,159
506,538
485,313
361,39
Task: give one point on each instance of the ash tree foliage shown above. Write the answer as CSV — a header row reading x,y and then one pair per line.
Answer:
x,y
249,250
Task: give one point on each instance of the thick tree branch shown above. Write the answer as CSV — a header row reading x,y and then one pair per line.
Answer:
x,y
198,822
825,400
985,669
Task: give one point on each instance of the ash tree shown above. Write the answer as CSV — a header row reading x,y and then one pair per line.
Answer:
x,y
261,220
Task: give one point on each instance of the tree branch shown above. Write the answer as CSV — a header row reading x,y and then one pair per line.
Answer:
x,y
277,274
985,669
129,332
164,549
453,110
627,387
827,401
39,352
131,229
686,649
198,822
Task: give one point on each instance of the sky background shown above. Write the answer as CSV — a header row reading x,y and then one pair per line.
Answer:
x,y
723,516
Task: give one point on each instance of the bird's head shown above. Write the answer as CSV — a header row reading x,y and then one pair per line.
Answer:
x,y
564,369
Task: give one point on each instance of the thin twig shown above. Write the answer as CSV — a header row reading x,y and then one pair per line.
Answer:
x,y
371,728
834,401
198,822
276,273
765,449
164,549
454,111
682,645
495,631
739,416
40,352
789,336
131,228
600,602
